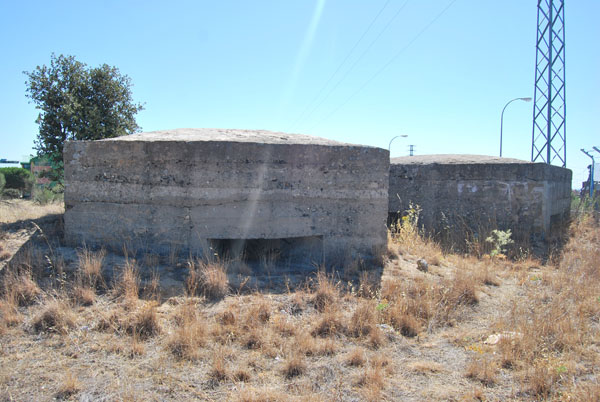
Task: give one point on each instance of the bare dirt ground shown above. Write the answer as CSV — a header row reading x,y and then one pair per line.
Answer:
x,y
466,329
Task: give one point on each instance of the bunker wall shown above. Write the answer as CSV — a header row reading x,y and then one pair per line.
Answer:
x,y
533,200
161,194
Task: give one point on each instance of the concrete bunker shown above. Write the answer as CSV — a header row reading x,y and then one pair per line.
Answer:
x,y
284,250
465,196
255,191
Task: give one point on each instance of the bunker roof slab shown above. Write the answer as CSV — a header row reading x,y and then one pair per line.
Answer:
x,y
454,159
227,135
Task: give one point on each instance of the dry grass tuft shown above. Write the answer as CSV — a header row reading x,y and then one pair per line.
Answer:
x,y
90,267
483,370
208,278
69,386
144,323
328,325
372,382
218,372
259,313
356,357
55,317
326,294
294,366
9,313
189,335
21,288
128,283
242,375
84,295
363,320
426,367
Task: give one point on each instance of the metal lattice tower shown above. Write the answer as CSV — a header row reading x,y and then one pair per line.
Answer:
x,y
549,140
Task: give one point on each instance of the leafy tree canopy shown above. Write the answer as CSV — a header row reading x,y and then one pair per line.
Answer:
x,y
79,103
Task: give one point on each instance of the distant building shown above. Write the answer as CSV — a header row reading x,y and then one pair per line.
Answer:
x,y
37,165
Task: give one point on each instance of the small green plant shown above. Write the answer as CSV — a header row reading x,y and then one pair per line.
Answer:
x,y
382,306
499,240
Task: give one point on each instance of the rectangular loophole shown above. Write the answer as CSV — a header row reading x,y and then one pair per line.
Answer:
x,y
289,249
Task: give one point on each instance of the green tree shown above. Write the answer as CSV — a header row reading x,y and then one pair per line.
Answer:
x,y
79,103
18,179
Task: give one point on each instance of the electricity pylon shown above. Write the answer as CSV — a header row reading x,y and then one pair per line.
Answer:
x,y
549,137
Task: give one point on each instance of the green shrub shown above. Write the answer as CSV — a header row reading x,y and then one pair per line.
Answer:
x,y
11,193
18,178
2,182
45,195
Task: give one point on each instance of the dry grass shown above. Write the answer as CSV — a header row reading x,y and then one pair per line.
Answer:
x,y
22,210
417,336
426,367
326,293
128,283
207,278
294,366
70,386
189,335
356,357
90,267
55,317
20,289
482,370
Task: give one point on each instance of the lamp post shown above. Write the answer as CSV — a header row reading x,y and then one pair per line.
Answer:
x,y
591,170
390,145
502,117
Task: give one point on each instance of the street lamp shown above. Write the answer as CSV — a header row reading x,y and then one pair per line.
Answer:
x,y
502,117
591,170
390,145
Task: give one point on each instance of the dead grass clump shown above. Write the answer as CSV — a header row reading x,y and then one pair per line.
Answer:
x,y
189,335
363,321
218,372
144,323
372,382
368,285
209,278
84,295
463,289
328,325
254,339
540,380
90,266
426,367
55,317
21,288
283,326
259,313
128,283
69,386
9,313
376,338
227,318
306,344
326,294
241,375
294,366
482,370
263,394
326,347
356,357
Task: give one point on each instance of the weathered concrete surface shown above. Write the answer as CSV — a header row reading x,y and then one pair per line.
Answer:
x,y
187,188
473,193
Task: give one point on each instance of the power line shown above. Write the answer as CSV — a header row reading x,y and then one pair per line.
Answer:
x,y
369,46
341,64
386,65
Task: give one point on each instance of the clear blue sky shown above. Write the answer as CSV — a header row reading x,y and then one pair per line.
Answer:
x,y
260,64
